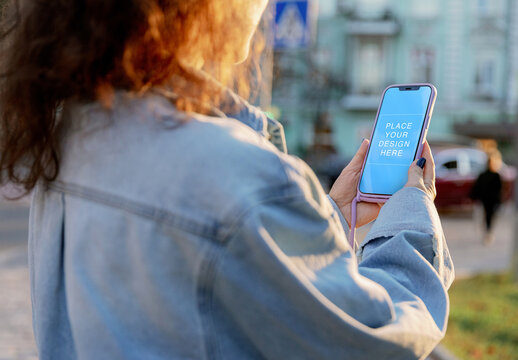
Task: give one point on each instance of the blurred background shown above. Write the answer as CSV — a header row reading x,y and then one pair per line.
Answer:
x,y
327,84
324,74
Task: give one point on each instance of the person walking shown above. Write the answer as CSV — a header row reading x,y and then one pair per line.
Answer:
x,y
167,219
488,190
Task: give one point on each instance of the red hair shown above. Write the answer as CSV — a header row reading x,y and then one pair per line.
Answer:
x,y
63,49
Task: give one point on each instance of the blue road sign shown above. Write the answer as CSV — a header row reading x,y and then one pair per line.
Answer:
x,y
292,24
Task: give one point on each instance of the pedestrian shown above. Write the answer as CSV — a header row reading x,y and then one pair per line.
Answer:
x,y
168,221
487,189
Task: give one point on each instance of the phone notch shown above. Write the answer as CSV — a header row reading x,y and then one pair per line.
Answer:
x,y
409,88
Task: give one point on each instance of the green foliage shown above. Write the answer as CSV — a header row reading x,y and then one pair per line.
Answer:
x,y
483,318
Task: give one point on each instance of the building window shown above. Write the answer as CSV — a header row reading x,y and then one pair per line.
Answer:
x,y
370,60
483,8
371,8
485,78
489,8
425,9
423,64
327,8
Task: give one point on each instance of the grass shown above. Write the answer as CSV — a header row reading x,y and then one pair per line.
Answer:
x,y
484,318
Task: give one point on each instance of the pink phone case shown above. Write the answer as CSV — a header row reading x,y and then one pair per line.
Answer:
x,y
422,138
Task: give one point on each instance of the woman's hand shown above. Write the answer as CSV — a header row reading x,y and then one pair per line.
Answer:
x,y
344,189
420,178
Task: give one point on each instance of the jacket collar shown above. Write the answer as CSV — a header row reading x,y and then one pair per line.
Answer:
x,y
241,110
256,119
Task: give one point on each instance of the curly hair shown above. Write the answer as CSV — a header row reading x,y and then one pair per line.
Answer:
x,y
56,50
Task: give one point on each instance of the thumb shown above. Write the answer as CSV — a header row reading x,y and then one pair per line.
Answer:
x,y
357,161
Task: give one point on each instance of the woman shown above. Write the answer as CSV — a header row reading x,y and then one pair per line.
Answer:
x,y
167,221
488,190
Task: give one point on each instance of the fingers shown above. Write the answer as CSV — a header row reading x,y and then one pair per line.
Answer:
x,y
429,169
343,190
357,161
423,177
415,174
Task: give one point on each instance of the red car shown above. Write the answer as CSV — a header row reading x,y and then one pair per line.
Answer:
x,y
456,171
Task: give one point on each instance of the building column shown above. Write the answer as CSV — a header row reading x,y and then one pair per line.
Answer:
x,y
455,14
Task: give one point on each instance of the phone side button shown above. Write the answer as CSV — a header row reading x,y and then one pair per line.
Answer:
x,y
425,134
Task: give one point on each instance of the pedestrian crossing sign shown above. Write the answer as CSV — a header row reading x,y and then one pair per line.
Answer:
x,y
292,24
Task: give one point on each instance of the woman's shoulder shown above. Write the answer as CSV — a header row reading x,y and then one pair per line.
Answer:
x,y
149,152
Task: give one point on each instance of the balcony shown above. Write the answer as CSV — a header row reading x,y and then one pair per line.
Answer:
x,y
382,27
360,102
502,130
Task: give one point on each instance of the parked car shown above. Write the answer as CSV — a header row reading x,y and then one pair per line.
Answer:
x,y
456,171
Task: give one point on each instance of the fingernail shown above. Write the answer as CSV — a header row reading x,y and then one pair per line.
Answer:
x,y
421,162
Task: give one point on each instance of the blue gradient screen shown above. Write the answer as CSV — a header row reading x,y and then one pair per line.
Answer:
x,y
395,140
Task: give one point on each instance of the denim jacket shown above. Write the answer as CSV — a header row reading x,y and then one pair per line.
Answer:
x,y
170,235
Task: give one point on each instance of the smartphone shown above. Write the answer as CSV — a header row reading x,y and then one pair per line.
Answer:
x,y
397,139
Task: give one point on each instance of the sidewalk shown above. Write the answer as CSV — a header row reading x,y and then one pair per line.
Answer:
x,y
464,236
16,337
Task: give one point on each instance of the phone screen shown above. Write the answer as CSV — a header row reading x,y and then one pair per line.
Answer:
x,y
395,139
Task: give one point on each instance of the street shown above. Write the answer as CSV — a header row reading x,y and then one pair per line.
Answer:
x,y
464,236
16,339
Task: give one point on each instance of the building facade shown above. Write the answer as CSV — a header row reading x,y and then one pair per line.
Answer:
x,y
467,48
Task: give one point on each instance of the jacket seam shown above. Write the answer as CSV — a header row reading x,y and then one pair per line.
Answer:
x,y
158,215
279,193
217,231
205,291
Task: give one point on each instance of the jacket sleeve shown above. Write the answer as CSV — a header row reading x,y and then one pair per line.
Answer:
x,y
290,282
